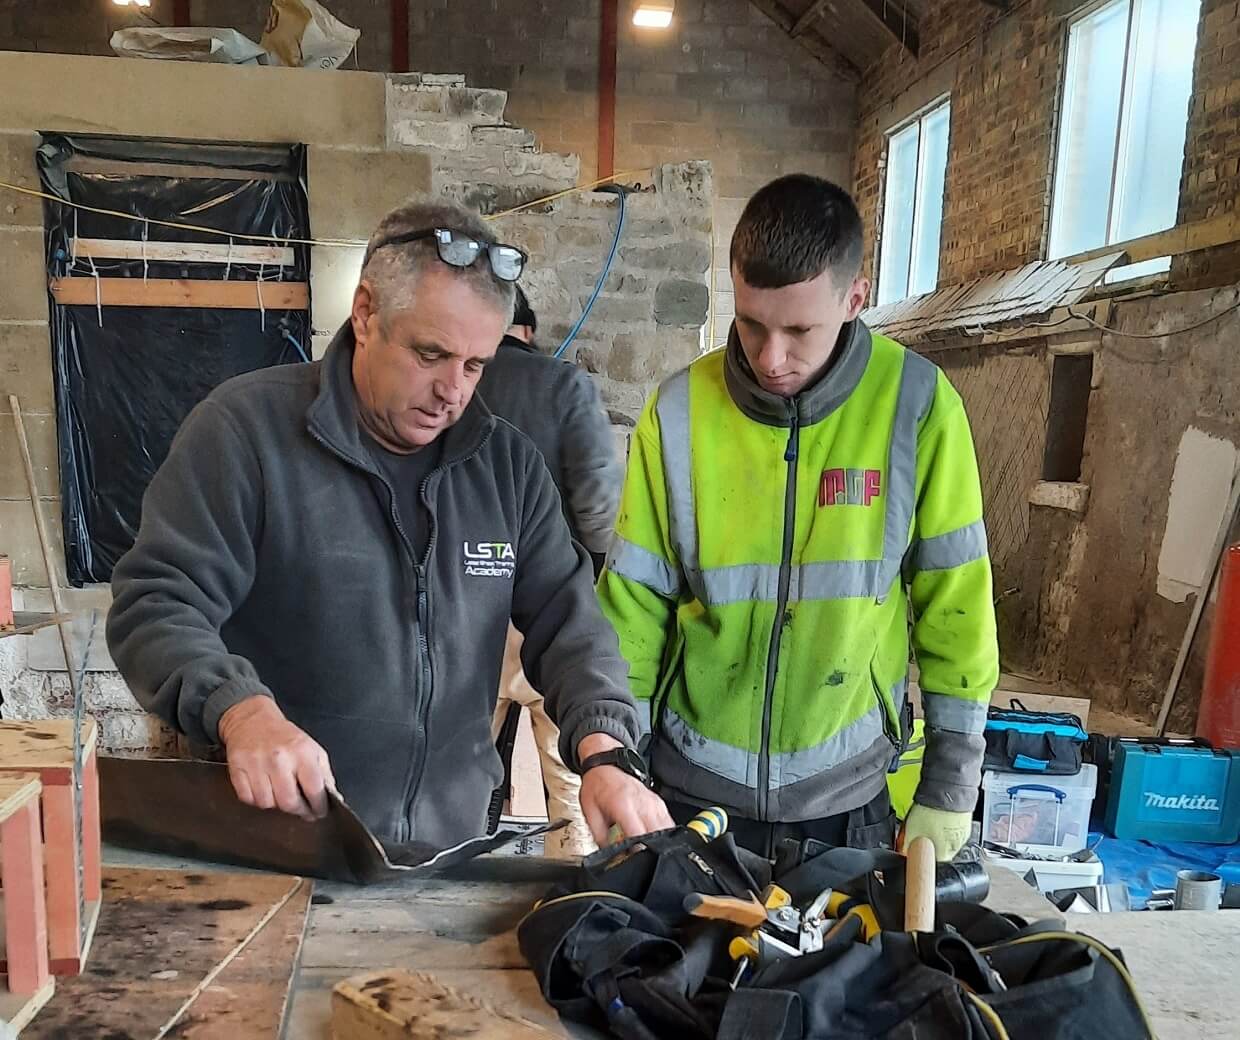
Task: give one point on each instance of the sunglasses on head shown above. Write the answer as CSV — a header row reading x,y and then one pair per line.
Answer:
x,y
457,249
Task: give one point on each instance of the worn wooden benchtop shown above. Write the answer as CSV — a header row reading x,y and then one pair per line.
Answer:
x,y
461,930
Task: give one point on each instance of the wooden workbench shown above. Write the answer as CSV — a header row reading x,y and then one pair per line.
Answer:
x,y
461,931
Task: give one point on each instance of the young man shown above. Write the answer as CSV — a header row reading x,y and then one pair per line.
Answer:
x,y
330,555
788,499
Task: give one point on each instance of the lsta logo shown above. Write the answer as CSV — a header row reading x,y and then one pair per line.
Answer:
x,y
849,487
490,559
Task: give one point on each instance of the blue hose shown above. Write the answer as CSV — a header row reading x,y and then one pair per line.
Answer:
x,y
620,193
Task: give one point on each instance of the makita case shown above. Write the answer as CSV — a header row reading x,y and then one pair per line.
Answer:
x,y
1166,790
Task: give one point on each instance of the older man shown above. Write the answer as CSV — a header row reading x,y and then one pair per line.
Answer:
x,y
329,557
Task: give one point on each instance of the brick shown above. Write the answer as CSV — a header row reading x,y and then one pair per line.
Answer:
x,y
689,257
422,133
678,301
41,433
25,370
23,275
21,542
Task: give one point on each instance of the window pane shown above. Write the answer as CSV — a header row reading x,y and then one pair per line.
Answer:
x,y
893,263
1088,124
929,211
1160,79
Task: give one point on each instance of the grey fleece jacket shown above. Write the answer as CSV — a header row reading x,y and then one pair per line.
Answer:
x,y
271,560
557,406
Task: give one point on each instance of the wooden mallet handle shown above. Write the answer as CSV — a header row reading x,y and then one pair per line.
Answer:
x,y
919,886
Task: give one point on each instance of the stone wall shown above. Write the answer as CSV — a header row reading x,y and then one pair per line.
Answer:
x,y
724,84
372,141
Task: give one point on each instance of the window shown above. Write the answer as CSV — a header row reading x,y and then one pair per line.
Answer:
x,y
908,262
1126,87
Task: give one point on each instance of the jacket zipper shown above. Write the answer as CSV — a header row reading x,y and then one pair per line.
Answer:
x,y
424,643
781,604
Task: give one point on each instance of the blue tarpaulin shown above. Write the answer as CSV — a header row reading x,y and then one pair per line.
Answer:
x,y
1144,866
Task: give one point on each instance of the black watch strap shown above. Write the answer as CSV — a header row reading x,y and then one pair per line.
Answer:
x,y
624,758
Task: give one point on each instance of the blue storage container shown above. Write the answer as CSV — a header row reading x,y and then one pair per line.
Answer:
x,y
1160,792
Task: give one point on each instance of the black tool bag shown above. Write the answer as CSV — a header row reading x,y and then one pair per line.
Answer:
x,y
1022,741
616,950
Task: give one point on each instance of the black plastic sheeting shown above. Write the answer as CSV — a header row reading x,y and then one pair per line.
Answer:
x,y
126,377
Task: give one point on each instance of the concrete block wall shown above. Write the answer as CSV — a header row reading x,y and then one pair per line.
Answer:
x,y
372,141
1003,72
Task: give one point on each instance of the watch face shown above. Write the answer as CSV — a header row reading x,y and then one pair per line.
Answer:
x,y
634,764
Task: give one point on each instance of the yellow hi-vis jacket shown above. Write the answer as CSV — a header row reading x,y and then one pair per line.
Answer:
x,y
767,554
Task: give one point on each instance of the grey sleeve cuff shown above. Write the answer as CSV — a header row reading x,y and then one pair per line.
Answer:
x,y
623,731
951,770
224,697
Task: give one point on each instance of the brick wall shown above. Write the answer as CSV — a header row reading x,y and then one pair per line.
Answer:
x,y
1212,160
1003,72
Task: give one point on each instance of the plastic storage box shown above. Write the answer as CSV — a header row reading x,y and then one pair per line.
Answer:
x,y
1051,877
1047,816
1168,793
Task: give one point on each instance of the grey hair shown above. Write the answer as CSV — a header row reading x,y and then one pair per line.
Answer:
x,y
393,272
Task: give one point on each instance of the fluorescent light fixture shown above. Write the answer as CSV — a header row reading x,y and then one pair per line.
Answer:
x,y
654,14
132,3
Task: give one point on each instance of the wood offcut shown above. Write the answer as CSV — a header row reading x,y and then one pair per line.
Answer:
x,y
400,1005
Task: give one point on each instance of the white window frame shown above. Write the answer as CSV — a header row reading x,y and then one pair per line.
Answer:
x,y
918,117
1158,266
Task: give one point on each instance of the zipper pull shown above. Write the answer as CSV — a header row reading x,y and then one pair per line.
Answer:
x,y
790,452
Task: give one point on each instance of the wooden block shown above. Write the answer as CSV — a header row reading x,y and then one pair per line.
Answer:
x,y
17,790
399,1005
526,798
44,746
177,292
17,1012
91,836
182,252
64,923
21,868
6,594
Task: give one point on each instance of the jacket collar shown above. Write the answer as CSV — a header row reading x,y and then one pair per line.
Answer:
x,y
816,401
519,344
333,416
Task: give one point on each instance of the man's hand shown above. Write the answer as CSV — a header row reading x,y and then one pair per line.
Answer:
x,y
948,831
272,763
610,796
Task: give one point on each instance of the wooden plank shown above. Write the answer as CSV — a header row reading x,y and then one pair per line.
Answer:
x,y
85,164
25,917
161,934
400,1005
16,791
16,1012
64,906
181,252
29,621
808,18
896,20
43,746
1186,238
175,292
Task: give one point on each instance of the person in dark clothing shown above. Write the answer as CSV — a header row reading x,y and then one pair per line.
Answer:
x,y
556,404
329,558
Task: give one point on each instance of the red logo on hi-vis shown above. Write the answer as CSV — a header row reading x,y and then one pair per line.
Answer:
x,y
849,487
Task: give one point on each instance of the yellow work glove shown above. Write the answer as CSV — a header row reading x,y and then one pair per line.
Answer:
x,y
948,831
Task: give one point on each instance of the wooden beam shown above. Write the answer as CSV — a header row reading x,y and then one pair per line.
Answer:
x,y
808,18
87,164
181,13
170,292
812,42
400,35
1186,238
180,252
607,32
896,20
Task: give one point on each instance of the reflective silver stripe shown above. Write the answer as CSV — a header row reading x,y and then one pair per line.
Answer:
x,y
644,567
954,713
791,767
643,714
837,579
672,410
746,581
953,549
731,763
918,380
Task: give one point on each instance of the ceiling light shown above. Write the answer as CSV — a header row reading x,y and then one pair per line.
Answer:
x,y
654,14
132,3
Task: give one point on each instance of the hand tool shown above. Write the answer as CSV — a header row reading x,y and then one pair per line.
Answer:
x,y
919,886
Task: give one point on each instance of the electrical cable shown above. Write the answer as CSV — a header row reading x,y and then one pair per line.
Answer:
x,y
620,192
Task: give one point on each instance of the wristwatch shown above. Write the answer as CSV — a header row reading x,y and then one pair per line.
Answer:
x,y
624,758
